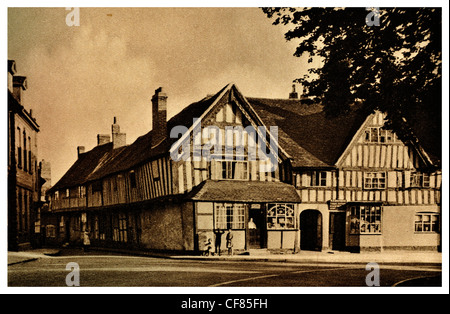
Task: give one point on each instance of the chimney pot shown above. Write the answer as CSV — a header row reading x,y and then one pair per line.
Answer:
x,y
294,94
118,139
159,116
80,150
103,139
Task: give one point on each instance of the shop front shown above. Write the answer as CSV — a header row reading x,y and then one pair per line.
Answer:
x,y
260,215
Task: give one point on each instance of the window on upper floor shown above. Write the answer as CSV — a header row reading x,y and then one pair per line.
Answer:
x,y
375,180
230,169
318,178
419,179
19,148
133,183
378,135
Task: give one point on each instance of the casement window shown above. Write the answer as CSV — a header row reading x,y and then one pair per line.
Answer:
x,y
280,216
25,163
378,135
426,222
133,179
30,169
82,191
229,216
375,180
97,187
365,219
232,170
318,178
19,148
56,195
50,231
120,226
421,180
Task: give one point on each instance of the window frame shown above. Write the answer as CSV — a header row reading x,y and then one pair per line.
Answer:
x,y
369,222
372,179
228,173
430,223
278,220
318,178
229,216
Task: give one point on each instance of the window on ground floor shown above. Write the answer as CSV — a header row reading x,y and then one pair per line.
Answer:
x,y
230,216
426,222
280,216
120,228
365,219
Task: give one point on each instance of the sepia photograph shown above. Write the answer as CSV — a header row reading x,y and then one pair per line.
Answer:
x,y
217,146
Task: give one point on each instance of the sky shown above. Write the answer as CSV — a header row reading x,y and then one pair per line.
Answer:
x,y
81,77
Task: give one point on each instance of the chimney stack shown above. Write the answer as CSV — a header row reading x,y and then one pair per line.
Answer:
x,y
118,139
19,85
294,94
80,150
103,139
159,116
11,72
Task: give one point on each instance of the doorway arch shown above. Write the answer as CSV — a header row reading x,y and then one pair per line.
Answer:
x,y
311,230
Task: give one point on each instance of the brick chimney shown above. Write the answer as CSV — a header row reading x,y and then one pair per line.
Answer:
x,y
159,116
118,139
294,94
19,85
103,139
80,150
11,71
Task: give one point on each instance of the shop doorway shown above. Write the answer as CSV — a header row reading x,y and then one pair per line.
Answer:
x,y
311,230
257,229
337,231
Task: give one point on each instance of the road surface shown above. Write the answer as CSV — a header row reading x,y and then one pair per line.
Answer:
x,y
131,271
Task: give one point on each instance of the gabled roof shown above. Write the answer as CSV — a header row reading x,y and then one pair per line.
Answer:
x,y
311,137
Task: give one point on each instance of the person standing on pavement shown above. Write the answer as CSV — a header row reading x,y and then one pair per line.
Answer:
x,y
86,241
230,242
218,242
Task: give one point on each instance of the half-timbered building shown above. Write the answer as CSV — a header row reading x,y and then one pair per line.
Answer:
x,y
279,173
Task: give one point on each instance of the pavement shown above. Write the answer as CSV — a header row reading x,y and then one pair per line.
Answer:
x,y
390,257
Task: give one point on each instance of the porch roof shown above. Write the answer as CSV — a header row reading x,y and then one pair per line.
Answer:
x,y
245,191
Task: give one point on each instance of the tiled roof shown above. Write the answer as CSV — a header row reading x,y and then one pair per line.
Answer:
x,y
306,133
244,191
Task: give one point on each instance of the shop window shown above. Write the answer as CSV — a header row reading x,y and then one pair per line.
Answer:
x,y
374,180
280,216
230,216
426,222
365,219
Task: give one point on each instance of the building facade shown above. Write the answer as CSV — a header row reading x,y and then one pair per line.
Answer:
x,y
278,173
23,169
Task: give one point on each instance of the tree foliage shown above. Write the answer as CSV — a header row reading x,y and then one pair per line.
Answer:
x,y
394,67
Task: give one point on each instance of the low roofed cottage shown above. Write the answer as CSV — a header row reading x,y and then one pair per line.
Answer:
x,y
278,172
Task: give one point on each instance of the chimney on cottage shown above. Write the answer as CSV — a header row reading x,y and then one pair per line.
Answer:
x,y
159,116
19,85
118,139
103,139
80,150
293,94
11,71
